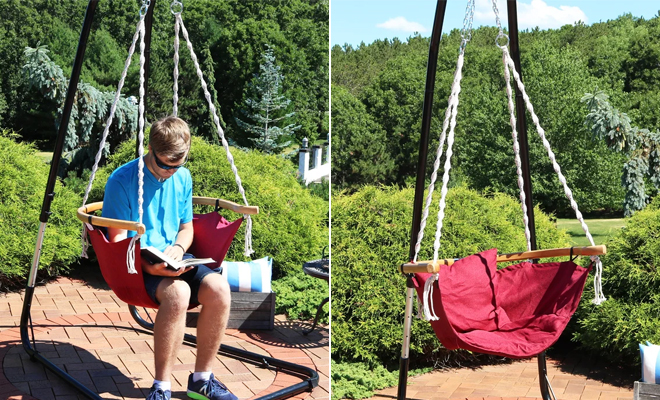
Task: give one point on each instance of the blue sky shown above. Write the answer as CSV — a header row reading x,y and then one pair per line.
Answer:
x,y
355,21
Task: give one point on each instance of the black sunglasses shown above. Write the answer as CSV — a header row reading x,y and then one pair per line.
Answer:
x,y
168,167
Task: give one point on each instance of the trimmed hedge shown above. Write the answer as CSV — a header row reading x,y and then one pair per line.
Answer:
x,y
370,237
23,177
631,283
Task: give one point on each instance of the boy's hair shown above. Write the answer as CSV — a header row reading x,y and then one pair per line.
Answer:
x,y
170,138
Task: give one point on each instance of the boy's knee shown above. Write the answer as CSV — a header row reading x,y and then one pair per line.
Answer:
x,y
176,293
215,290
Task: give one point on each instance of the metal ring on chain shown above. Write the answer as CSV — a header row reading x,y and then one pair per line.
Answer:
x,y
174,4
145,7
500,36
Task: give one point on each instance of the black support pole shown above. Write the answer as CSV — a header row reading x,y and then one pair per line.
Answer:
x,y
521,126
427,113
521,123
48,198
427,108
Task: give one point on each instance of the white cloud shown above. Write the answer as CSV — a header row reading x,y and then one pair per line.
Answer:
x,y
403,25
530,14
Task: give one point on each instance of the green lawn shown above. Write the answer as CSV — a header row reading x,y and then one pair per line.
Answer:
x,y
46,156
600,229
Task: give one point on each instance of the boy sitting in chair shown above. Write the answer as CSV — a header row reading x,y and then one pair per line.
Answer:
x,y
168,220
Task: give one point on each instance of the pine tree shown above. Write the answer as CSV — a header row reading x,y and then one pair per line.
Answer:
x,y
641,146
265,106
90,109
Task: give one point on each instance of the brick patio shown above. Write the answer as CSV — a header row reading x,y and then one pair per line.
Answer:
x,y
81,326
572,378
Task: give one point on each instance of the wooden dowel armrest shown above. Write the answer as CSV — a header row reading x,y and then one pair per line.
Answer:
x,y
84,214
226,204
434,267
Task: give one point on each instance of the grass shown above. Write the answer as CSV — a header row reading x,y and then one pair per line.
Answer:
x,y
46,156
600,229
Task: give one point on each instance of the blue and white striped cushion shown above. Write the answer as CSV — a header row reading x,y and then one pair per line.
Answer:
x,y
251,276
650,362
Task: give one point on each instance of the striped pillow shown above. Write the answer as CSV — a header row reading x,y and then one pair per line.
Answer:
x,y
650,362
251,276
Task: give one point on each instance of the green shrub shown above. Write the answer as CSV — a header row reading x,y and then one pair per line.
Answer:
x,y
23,177
631,282
299,295
358,380
370,238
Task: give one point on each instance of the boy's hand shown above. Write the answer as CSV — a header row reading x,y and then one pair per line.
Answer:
x,y
176,252
161,269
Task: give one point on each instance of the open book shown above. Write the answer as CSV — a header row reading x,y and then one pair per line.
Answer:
x,y
154,256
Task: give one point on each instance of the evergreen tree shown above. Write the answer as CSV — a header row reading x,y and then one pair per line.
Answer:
x,y
641,146
90,109
265,106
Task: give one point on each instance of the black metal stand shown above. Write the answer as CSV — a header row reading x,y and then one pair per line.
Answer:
x,y
427,112
316,318
309,376
317,269
421,175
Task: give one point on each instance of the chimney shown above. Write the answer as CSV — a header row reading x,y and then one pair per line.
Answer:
x,y
316,154
303,159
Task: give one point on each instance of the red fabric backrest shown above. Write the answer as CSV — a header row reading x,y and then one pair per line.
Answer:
x,y
213,236
468,294
548,288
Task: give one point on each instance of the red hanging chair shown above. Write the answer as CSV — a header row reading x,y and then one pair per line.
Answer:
x,y
213,236
518,311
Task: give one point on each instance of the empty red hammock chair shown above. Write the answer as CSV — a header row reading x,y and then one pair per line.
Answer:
x,y
518,311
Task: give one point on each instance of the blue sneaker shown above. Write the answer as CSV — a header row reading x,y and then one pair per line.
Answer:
x,y
209,390
159,394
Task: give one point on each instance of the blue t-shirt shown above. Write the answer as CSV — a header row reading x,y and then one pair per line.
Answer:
x,y
166,205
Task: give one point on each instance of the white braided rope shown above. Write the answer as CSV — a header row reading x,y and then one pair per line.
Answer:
x,y
450,120
175,109
436,165
429,311
599,297
221,135
516,151
449,152
130,253
106,130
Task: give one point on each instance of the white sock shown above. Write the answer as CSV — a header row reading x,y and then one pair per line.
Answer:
x,y
201,376
163,385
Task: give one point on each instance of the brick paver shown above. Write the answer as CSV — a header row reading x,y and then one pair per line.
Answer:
x,y
83,327
571,377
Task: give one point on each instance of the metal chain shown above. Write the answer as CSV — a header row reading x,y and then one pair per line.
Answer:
x,y
466,32
145,7
501,34
176,3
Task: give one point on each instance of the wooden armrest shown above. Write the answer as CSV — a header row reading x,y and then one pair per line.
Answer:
x,y
226,204
84,214
434,267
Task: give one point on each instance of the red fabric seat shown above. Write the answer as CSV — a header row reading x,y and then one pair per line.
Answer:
x,y
213,236
518,311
